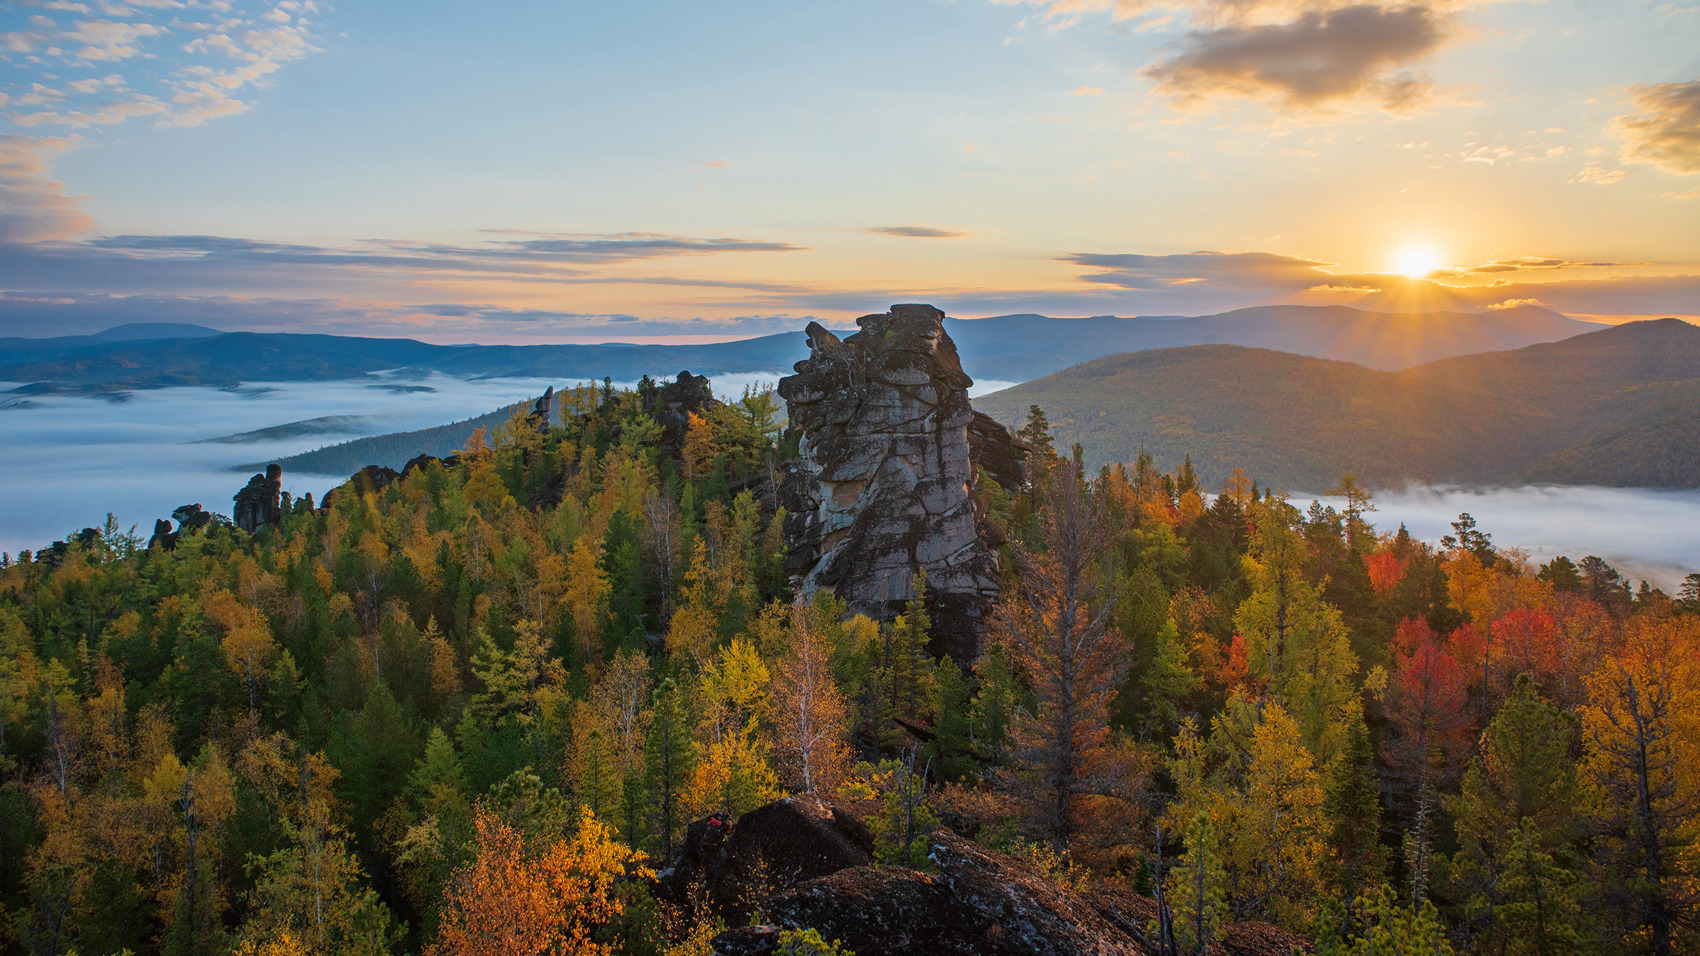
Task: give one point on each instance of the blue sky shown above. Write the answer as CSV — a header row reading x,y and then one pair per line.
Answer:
x,y
580,172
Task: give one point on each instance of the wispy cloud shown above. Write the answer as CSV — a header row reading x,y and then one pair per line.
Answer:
x,y
1236,270
375,269
918,232
1665,133
48,314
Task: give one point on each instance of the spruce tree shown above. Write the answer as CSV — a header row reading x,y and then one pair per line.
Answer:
x,y
669,757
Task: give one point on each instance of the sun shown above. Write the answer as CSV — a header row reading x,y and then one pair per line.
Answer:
x,y
1416,261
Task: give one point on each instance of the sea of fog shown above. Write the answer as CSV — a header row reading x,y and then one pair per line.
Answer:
x,y
69,460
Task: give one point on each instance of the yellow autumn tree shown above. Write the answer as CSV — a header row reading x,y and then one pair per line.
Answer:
x,y
811,717
700,449
696,623
586,593
248,644
734,773
1641,731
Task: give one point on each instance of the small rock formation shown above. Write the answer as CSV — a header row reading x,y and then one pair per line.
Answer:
x,y
370,480
191,518
671,405
1001,455
425,461
163,535
885,485
260,503
807,862
541,412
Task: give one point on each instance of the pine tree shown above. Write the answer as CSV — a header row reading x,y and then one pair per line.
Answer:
x,y
951,749
1196,888
1354,809
1523,785
670,759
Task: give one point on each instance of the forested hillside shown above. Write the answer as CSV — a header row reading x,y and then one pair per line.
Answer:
x,y
468,712
390,450
1612,407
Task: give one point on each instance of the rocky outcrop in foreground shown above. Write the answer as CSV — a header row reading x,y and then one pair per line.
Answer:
x,y
885,485
807,862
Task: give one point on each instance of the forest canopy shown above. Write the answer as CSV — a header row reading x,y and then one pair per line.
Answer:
x,y
474,710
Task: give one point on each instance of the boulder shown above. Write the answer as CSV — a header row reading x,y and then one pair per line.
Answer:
x,y
370,480
772,848
884,486
978,902
425,461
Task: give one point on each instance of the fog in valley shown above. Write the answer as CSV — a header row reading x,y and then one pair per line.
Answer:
x,y
1648,534
69,459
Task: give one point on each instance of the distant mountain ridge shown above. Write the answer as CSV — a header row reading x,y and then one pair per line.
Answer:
x,y
1618,407
1000,348
1008,347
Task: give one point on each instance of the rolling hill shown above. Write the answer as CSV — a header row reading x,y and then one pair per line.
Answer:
x,y
1620,406
1002,348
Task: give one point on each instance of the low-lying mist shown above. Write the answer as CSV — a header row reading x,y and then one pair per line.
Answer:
x,y
69,460
1648,534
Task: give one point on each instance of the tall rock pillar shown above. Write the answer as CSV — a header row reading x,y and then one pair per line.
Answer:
x,y
884,486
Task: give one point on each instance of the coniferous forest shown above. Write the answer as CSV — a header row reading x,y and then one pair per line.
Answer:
x,y
475,710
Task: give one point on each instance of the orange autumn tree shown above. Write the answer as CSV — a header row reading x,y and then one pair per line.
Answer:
x,y
519,897
1058,625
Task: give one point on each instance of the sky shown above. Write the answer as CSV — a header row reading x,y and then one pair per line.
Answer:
x,y
580,172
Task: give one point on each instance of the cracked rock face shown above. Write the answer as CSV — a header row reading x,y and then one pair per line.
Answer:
x,y
885,483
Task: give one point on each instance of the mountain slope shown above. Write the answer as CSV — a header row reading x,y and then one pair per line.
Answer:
x,y
1620,406
1010,347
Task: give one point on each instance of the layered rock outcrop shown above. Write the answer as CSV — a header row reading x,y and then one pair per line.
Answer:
x,y
885,483
260,502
